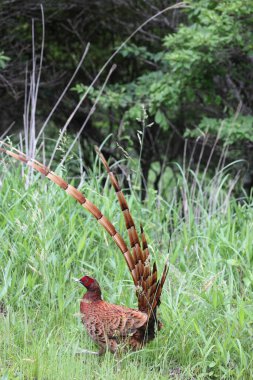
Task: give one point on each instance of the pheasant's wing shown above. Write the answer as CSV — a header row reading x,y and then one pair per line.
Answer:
x,y
148,287
105,320
122,321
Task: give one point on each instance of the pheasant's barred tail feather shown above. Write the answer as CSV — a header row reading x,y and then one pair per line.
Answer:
x,y
132,234
149,289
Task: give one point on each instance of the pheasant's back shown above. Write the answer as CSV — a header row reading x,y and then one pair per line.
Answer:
x,y
105,321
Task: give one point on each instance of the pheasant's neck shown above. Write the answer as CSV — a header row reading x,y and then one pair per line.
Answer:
x,y
92,295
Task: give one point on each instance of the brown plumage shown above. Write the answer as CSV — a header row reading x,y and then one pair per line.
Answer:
x,y
108,324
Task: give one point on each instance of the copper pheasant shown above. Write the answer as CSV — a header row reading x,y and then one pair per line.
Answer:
x,y
109,324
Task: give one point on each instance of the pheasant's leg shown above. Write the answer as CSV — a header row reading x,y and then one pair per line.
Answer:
x,y
112,345
101,350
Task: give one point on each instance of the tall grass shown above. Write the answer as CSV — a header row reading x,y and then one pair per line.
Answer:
x,y
207,304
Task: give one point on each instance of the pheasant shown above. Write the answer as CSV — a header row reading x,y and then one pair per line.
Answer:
x,y
108,324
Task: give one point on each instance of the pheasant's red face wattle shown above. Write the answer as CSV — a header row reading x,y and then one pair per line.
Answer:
x,y
86,281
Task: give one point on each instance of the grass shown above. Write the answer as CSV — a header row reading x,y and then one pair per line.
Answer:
x,y
207,304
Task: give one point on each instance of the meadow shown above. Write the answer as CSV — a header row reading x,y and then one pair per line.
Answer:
x,y
46,239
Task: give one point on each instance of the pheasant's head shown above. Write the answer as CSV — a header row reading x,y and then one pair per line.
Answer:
x,y
94,291
89,283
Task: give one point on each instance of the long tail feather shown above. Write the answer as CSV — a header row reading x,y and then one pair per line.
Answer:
x,y
131,229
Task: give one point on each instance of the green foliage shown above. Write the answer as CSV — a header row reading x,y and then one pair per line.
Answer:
x,y
231,130
196,75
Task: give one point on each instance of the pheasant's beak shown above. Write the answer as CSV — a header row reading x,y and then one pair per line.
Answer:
x,y
76,279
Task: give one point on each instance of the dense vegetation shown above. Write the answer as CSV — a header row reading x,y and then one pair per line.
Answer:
x,y
175,117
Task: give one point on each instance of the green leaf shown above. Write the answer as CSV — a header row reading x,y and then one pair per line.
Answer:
x,y
161,119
